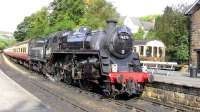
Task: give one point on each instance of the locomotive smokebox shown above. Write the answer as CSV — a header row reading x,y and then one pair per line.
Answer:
x,y
118,40
111,24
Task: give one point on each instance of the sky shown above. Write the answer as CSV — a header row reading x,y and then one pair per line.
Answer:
x,y
13,11
138,8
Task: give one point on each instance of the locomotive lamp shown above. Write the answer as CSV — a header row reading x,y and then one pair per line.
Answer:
x,y
114,67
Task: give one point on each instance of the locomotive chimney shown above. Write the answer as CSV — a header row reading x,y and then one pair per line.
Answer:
x,y
110,25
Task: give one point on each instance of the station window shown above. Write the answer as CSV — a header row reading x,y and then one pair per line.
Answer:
x,y
160,51
149,51
155,51
134,49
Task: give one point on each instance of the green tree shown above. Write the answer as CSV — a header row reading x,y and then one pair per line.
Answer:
x,y
139,35
2,45
39,23
97,12
74,9
33,26
65,14
151,35
172,29
5,43
149,18
63,24
23,29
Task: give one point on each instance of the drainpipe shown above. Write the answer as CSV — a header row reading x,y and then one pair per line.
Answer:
x,y
189,40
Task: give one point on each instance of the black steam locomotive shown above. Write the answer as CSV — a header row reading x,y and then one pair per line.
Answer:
x,y
90,59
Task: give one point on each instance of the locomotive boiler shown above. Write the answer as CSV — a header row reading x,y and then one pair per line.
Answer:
x,y
91,59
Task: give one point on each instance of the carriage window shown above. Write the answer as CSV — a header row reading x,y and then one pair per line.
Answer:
x,y
24,50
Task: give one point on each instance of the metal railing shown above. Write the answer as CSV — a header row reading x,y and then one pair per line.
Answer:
x,y
155,67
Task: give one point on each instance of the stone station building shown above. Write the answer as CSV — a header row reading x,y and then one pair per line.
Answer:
x,y
194,14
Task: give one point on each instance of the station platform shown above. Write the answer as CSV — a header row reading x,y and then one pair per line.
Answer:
x,y
178,78
14,98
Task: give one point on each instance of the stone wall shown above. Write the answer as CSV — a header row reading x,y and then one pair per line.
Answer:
x,y
179,96
195,35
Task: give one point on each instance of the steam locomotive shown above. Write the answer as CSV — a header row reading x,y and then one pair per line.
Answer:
x,y
100,59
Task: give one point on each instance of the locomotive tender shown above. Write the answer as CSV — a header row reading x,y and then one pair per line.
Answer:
x,y
91,59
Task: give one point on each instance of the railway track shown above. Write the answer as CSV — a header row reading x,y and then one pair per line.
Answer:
x,y
128,104
63,98
124,105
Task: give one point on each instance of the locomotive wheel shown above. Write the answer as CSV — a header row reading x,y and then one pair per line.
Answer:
x,y
57,77
107,89
85,84
68,78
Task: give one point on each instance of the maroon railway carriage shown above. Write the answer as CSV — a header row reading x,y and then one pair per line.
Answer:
x,y
18,51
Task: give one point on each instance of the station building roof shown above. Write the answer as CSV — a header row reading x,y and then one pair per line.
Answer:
x,y
195,6
149,43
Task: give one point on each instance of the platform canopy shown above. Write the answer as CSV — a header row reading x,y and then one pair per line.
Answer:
x,y
153,48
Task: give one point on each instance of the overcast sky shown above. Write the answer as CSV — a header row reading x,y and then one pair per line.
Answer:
x,y
139,8
13,11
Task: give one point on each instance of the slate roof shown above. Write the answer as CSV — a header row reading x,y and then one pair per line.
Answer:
x,y
140,42
148,26
136,21
195,6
